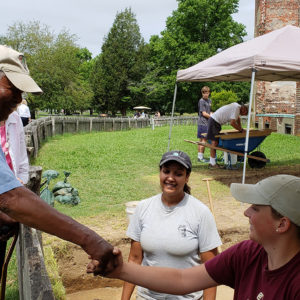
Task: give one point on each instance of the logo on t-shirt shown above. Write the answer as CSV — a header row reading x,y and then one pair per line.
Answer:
x,y
182,230
260,296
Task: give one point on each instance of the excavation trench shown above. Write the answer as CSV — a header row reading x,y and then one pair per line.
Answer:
x,y
233,227
82,286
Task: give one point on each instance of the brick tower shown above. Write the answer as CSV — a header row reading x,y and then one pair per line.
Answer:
x,y
277,103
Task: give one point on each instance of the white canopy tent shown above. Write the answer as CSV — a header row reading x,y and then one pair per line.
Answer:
x,y
274,56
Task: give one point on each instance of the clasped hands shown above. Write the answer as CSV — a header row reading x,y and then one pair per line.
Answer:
x,y
110,269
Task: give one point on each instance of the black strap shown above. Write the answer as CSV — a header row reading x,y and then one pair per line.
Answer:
x,y
2,255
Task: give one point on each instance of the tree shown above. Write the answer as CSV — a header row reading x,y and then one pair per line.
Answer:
x,y
55,62
197,30
222,98
78,96
28,38
120,66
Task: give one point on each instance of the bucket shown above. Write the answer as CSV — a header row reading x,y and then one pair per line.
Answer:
x,y
130,208
230,159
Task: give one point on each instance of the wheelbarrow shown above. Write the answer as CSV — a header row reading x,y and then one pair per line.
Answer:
x,y
233,142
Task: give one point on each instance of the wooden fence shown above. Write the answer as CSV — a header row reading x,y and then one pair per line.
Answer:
x,y
39,130
34,283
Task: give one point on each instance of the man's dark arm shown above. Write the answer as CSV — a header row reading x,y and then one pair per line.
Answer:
x,y
26,207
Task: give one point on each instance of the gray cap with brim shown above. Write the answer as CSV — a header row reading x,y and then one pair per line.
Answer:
x,y
178,156
17,72
282,192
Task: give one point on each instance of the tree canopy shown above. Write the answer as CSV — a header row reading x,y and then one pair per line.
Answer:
x,y
120,66
129,72
197,30
56,63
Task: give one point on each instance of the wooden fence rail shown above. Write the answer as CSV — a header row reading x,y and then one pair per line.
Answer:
x,y
39,130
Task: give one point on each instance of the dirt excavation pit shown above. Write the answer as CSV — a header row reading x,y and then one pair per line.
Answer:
x,y
233,227
82,286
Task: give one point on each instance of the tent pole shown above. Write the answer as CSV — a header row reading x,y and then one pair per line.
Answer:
x,y
172,116
248,123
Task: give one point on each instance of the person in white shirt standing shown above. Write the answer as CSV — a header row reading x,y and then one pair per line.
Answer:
x,y
15,146
227,113
24,112
172,229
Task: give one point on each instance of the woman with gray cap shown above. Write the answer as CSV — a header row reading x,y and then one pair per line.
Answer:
x,y
265,267
172,229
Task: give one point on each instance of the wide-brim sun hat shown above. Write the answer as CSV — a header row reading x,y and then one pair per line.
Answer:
x,y
15,69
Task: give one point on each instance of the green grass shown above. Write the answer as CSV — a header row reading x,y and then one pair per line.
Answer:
x,y
111,168
282,149
12,286
52,270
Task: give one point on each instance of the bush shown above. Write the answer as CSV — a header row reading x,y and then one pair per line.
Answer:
x,y
222,98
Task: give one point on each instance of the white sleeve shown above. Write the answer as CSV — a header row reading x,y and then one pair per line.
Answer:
x,y
235,113
208,235
23,169
135,225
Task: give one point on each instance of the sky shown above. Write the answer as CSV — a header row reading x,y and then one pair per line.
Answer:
x,y
91,20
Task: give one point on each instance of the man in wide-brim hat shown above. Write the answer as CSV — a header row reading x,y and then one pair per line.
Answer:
x,y
17,203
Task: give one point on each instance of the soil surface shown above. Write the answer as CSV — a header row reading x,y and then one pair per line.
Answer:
x,y
231,223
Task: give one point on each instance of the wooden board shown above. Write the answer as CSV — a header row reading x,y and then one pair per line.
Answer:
x,y
229,134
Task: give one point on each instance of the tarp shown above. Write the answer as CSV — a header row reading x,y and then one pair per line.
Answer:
x,y
275,56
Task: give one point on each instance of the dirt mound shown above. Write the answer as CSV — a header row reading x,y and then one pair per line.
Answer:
x,y
72,268
253,175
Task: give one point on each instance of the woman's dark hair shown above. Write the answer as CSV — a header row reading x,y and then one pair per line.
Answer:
x,y
186,188
277,215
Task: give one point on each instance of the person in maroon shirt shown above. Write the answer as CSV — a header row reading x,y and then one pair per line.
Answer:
x,y
265,267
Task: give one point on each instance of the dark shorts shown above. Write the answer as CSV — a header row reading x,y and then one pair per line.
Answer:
x,y
25,121
213,129
202,129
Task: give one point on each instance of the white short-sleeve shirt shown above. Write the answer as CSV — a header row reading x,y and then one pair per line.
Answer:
x,y
226,113
173,236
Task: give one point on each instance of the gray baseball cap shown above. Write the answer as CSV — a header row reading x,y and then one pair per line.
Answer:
x,y
178,156
12,63
282,192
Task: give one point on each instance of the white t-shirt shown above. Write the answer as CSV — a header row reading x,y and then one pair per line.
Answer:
x,y
227,113
23,111
173,236
17,146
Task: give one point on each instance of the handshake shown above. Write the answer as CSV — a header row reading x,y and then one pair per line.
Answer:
x,y
110,267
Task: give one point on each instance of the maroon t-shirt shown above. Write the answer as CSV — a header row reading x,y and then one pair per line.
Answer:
x,y
244,268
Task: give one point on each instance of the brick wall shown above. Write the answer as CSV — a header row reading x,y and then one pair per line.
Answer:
x,y
277,97
274,14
